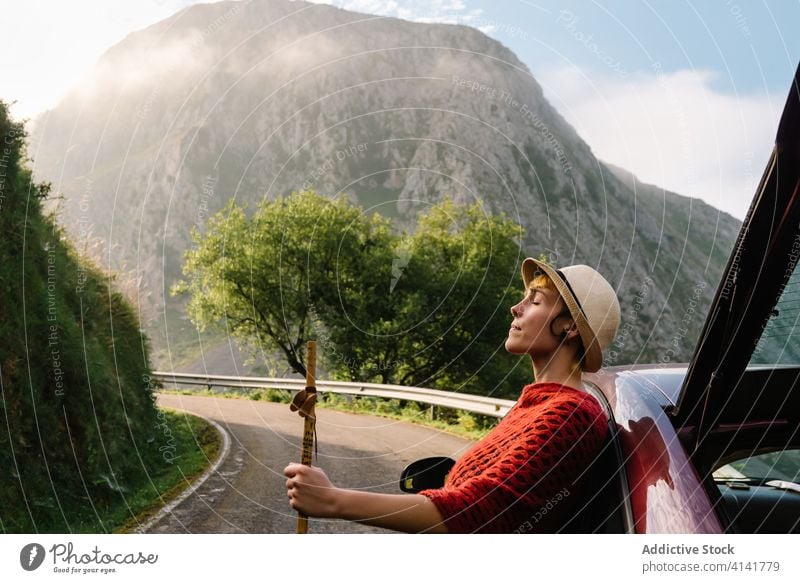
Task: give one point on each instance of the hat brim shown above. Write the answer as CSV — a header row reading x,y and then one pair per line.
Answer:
x,y
593,359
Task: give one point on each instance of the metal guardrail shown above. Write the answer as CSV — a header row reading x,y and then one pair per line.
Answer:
x,y
465,402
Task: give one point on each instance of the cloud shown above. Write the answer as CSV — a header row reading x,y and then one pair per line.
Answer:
x,y
672,129
442,11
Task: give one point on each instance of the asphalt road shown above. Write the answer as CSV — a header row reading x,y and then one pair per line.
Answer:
x,y
247,493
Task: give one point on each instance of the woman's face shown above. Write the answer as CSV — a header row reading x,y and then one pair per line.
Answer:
x,y
530,327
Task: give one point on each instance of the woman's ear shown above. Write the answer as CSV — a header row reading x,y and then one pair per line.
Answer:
x,y
571,330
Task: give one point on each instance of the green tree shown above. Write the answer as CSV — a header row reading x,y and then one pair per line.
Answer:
x,y
426,309
268,279
465,268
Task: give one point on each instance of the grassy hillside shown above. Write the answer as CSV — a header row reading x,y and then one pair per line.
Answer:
x,y
79,430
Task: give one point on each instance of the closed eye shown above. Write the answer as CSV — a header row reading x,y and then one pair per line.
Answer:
x,y
530,296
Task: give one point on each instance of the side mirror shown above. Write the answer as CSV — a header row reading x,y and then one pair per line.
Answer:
x,y
429,472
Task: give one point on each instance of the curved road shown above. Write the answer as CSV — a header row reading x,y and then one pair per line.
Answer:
x,y
247,493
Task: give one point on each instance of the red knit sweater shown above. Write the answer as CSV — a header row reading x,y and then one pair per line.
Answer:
x,y
520,476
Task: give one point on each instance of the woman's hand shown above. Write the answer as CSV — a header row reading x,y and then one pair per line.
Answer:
x,y
310,491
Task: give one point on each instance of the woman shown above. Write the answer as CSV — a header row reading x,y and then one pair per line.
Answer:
x,y
519,477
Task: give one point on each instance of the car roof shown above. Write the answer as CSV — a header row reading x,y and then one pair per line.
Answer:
x,y
666,380
763,392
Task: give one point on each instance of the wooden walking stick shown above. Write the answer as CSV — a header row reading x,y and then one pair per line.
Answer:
x,y
304,402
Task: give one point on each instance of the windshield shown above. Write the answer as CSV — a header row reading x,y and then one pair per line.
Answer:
x,y
780,341
779,465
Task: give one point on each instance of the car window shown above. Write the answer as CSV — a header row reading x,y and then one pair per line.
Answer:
x,y
778,465
780,341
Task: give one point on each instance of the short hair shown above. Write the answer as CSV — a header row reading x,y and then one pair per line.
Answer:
x,y
542,280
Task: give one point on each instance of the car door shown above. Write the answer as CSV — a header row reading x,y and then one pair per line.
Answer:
x,y
728,406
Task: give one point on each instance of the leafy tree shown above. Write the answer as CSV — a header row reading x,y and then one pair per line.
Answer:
x,y
266,279
427,309
464,270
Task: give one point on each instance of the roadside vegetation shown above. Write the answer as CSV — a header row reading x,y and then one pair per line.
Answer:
x,y
82,444
195,445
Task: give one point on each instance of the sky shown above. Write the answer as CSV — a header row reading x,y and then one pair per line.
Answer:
x,y
686,95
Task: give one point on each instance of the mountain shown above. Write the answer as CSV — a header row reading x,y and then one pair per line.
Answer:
x,y
256,99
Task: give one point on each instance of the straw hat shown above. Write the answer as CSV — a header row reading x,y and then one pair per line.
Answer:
x,y
592,303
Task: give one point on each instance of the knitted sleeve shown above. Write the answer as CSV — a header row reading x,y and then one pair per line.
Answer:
x,y
504,482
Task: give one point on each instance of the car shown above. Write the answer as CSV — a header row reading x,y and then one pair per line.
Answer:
x,y
712,445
